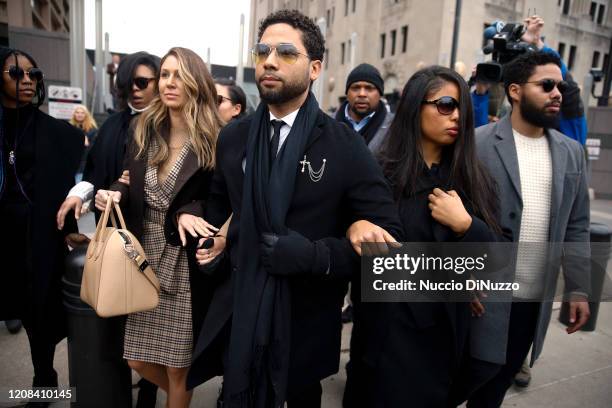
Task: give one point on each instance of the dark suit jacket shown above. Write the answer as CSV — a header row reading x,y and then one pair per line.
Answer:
x,y
352,187
191,185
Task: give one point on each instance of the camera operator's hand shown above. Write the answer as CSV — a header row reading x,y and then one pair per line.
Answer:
x,y
533,35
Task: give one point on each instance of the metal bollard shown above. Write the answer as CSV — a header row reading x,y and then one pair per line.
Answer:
x,y
601,235
95,347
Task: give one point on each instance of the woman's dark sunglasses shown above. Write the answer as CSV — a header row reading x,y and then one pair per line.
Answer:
x,y
286,52
445,105
142,82
17,73
549,84
220,99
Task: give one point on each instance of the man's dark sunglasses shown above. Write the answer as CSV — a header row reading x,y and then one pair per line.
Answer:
x,y
17,73
445,105
549,84
142,82
286,52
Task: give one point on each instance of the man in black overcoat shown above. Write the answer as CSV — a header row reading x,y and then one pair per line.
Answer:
x,y
294,179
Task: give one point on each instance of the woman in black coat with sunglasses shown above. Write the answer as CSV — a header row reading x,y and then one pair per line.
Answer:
x,y
406,354
39,158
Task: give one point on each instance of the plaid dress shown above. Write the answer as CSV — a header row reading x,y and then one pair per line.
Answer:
x,y
162,335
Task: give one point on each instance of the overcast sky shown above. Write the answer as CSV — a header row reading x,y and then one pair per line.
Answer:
x,y
157,25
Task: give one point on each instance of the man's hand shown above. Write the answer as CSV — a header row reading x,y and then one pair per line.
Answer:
x,y
578,314
288,255
70,203
195,226
533,35
377,238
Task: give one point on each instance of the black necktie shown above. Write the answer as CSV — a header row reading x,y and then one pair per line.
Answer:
x,y
277,125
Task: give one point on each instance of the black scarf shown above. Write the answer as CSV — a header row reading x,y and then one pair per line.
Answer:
x,y
259,346
369,130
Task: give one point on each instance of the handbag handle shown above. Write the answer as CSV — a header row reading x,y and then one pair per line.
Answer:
x,y
108,211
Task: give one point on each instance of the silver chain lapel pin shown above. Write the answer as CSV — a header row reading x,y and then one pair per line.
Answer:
x,y
315,176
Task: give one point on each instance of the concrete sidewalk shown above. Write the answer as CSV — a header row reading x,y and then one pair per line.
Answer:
x,y
573,371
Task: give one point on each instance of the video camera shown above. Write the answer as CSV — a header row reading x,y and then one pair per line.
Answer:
x,y
504,42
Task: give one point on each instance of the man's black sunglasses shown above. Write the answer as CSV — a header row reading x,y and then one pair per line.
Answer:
x,y
17,73
445,105
549,84
142,82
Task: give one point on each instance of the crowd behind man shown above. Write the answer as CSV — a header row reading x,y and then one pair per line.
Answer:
x,y
286,196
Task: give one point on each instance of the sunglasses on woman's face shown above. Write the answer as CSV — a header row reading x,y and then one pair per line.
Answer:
x,y
220,99
142,82
549,84
17,73
446,105
286,52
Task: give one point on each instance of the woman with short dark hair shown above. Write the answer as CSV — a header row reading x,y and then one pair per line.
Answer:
x,y
231,99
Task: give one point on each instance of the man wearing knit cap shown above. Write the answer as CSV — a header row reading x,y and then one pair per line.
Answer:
x,y
363,110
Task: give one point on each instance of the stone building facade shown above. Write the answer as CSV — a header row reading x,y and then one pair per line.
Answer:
x,y
397,36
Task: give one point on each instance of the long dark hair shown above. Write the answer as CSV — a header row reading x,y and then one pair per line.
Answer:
x,y
402,155
5,54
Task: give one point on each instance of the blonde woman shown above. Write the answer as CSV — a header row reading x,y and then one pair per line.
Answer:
x,y
82,119
169,166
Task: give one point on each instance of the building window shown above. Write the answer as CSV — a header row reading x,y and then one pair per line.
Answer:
x,y
566,7
393,38
561,50
601,14
346,5
342,52
595,62
404,39
571,58
383,38
593,10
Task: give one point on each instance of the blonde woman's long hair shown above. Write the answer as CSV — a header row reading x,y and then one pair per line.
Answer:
x,y
89,122
200,113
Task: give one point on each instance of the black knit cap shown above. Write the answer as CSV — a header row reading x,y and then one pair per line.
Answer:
x,y
367,73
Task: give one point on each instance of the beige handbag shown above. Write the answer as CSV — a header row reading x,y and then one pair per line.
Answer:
x,y
117,278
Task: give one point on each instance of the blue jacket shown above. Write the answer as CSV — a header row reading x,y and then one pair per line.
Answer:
x,y
572,124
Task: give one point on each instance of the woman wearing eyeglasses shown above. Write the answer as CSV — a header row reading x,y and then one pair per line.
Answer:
x,y
231,100
404,354
170,162
39,156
